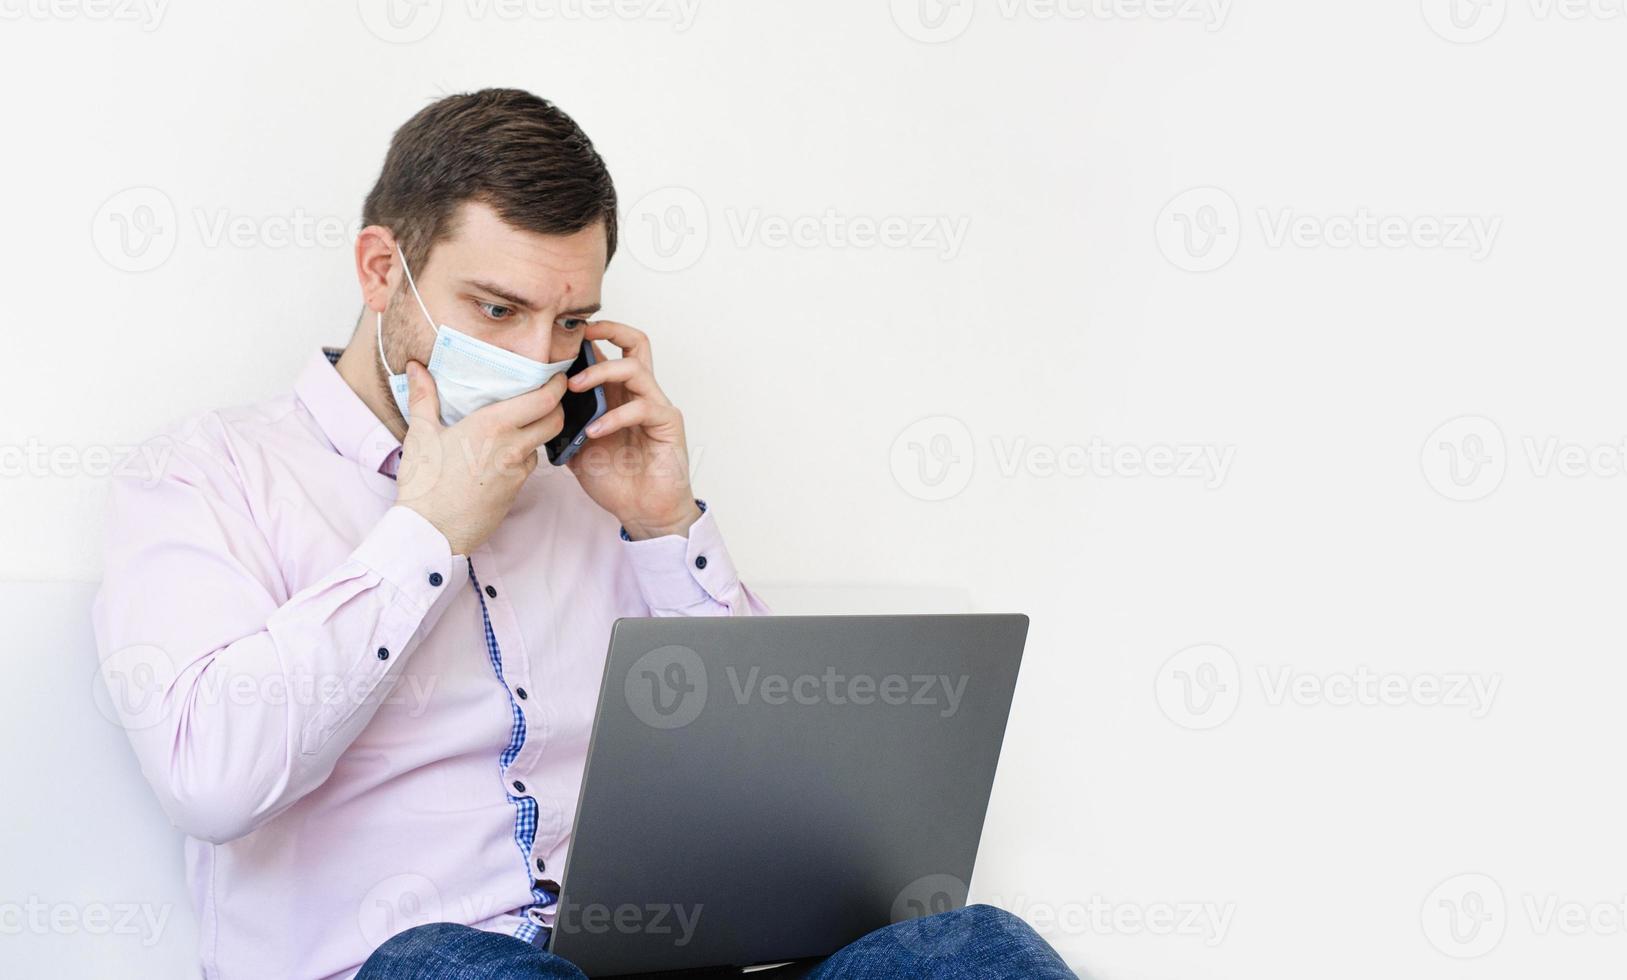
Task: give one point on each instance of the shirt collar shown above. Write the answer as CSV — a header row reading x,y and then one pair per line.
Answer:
x,y
344,418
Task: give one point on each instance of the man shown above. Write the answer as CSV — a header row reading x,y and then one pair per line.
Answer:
x,y
379,624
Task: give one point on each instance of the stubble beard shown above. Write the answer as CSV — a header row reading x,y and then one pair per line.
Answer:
x,y
405,339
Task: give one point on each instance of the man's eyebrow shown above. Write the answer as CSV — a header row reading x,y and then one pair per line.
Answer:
x,y
526,304
503,294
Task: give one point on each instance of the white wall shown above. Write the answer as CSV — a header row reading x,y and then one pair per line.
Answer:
x,y
1067,318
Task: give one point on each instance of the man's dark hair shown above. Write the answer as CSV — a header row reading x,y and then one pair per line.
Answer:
x,y
504,147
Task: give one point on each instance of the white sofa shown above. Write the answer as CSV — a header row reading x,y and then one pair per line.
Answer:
x,y
91,881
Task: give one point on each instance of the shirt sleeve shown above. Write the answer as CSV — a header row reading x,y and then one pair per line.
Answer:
x,y
691,576
239,698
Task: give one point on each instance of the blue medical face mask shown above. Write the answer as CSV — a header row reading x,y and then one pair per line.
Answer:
x,y
469,374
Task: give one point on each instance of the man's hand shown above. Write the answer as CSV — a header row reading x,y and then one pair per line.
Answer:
x,y
463,479
636,463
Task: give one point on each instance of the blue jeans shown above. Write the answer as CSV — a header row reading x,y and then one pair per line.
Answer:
x,y
979,942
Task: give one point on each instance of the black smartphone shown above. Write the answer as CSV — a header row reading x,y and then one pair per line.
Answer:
x,y
581,408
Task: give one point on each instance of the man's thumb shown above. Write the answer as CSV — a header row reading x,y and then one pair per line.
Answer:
x,y
423,403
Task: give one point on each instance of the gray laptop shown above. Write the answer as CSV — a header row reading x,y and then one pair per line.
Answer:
x,y
767,789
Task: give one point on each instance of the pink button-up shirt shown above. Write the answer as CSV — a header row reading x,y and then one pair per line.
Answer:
x,y
303,669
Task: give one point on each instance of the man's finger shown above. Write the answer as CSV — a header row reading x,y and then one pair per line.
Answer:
x,y
632,341
522,410
634,374
537,433
640,411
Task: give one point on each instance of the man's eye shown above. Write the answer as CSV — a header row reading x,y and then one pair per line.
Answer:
x,y
572,322
496,312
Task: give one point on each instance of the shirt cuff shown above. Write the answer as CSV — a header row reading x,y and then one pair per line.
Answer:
x,y
676,572
408,552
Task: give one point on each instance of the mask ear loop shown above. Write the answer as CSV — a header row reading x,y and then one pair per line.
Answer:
x,y
414,286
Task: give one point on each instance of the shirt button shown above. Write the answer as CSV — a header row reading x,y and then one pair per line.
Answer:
x,y
520,692
435,578
700,561
541,866
491,593
384,654
519,787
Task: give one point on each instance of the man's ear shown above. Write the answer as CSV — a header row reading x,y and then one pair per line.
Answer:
x,y
375,266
